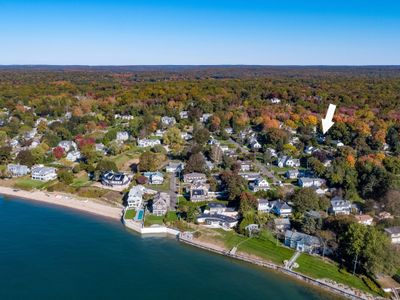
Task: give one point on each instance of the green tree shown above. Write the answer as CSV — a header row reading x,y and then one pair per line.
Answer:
x,y
305,199
65,176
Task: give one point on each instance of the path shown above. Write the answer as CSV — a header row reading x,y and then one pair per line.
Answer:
x,y
289,265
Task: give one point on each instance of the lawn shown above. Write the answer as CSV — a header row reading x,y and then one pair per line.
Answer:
x,y
130,214
317,268
171,217
153,220
81,181
29,184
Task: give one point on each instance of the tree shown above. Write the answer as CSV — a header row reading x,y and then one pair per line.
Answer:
x,y
173,138
216,154
305,199
392,164
106,165
5,154
374,181
148,161
234,185
201,136
391,200
58,152
65,176
25,157
196,163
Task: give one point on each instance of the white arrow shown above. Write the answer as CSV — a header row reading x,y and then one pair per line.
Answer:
x,y
327,122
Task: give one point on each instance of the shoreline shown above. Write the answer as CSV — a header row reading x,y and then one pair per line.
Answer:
x,y
65,200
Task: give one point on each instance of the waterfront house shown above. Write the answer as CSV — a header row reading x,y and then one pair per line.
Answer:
x,y
194,177
264,205
74,155
198,191
394,234
143,143
111,178
217,221
302,242
122,136
154,177
281,208
260,184
340,206
68,146
42,173
135,196
161,203
18,170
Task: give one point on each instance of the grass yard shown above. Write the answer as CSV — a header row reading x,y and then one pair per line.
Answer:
x,y
130,214
171,217
81,181
29,184
317,268
153,220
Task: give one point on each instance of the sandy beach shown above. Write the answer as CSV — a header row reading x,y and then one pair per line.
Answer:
x,y
65,200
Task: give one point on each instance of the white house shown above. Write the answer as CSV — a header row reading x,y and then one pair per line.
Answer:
x,y
292,174
394,234
264,205
309,150
194,177
292,162
337,143
143,143
135,196
183,114
260,184
122,136
18,170
254,144
275,100
68,145
217,221
204,118
154,177
111,178
161,203
364,219
310,182
340,206
168,121
174,167
281,208
39,172
100,147
74,155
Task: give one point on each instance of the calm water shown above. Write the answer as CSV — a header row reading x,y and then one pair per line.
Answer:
x,y
47,252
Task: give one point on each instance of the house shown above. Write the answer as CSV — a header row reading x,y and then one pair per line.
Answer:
x,y
18,170
292,174
154,177
198,191
14,142
245,166
30,134
168,121
260,184
310,182
216,208
310,150
123,117
302,242
281,208
394,234
183,114
209,165
74,155
159,133
217,221
385,215
364,219
272,152
161,203
143,143
204,118
68,146
194,177
275,100
282,224
292,162
34,143
122,136
250,176
186,136
264,205
111,178
100,147
135,196
281,161
254,144
39,172
337,143
229,130
174,167
340,206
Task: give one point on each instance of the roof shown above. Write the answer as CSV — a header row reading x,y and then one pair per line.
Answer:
x,y
302,237
282,221
216,205
393,230
217,217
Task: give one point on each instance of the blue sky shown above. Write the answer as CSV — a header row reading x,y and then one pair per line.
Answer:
x,y
151,32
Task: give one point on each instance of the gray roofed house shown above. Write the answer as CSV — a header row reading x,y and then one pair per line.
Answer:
x,y
194,177
39,172
282,224
394,234
198,191
217,220
292,174
111,178
18,170
216,207
302,242
161,203
340,206
264,205
281,208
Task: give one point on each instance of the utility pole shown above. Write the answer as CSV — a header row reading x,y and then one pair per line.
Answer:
x,y
355,264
